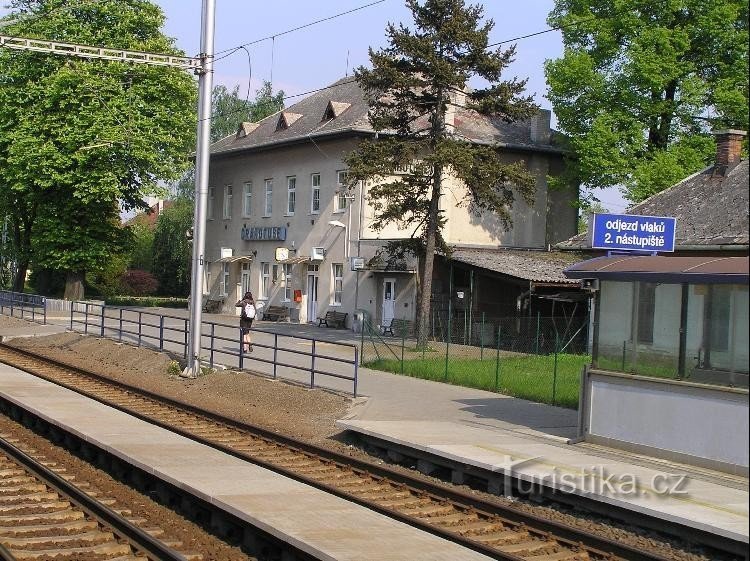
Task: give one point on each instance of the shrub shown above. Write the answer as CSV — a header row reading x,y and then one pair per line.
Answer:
x,y
147,302
137,282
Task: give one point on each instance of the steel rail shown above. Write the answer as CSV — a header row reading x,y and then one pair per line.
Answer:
x,y
140,540
567,535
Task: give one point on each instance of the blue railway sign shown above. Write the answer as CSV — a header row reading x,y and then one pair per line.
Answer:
x,y
630,232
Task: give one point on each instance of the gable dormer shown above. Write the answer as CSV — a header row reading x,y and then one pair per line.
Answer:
x,y
286,120
245,129
334,109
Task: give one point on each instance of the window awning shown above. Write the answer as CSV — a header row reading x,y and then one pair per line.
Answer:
x,y
296,260
235,259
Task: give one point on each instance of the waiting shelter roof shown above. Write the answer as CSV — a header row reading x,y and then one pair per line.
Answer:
x,y
693,270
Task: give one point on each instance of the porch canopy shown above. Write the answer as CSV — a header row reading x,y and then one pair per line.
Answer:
x,y
236,259
663,269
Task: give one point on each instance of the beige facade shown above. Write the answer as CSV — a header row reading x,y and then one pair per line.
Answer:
x,y
295,193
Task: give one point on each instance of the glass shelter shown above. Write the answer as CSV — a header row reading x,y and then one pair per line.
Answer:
x,y
670,317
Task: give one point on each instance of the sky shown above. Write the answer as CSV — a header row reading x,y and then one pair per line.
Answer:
x,y
313,57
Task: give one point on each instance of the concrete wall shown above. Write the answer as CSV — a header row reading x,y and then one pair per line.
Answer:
x,y
699,424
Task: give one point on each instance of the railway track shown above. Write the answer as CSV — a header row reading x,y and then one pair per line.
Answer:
x,y
43,515
495,530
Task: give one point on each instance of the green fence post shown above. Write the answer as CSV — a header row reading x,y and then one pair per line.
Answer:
x,y
403,344
362,341
450,321
447,344
497,362
554,372
481,340
538,320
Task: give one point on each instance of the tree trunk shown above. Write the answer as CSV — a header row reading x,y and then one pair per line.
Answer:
x,y
74,285
429,260
19,281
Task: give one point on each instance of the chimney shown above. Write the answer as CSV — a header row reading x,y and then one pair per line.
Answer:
x,y
728,146
539,127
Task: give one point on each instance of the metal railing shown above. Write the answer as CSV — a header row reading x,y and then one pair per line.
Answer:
x,y
25,306
280,353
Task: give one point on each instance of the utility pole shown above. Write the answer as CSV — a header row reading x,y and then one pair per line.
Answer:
x,y
205,84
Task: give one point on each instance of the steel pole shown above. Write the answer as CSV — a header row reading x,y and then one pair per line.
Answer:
x,y
205,85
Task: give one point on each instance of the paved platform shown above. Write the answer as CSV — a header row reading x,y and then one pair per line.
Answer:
x,y
700,500
492,431
319,524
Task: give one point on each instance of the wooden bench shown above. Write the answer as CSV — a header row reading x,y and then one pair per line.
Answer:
x,y
333,319
402,326
276,313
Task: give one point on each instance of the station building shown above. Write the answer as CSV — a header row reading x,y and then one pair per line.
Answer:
x,y
282,224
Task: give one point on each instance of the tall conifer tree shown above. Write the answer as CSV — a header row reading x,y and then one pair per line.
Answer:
x,y
413,82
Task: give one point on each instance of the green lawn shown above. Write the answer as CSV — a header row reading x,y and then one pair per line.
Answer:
x,y
527,376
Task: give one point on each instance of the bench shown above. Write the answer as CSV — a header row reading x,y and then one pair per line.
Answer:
x,y
212,306
333,319
402,327
276,313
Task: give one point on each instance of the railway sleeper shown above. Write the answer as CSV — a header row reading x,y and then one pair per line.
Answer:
x,y
404,504
23,508
8,482
60,527
108,550
434,510
527,547
495,536
95,537
29,498
456,519
41,518
564,555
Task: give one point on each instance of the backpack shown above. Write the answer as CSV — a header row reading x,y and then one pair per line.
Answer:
x,y
248,311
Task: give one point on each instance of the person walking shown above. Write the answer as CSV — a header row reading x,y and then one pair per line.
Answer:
x,y
247,315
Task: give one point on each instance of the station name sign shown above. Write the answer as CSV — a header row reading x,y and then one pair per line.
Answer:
x,y
264,233
630,232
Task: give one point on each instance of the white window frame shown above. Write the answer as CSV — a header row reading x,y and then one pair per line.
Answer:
x,y
247,199
210,203
337,284
315,193
291,195
268,198
227,208
340,201
224,279
286,273
265,280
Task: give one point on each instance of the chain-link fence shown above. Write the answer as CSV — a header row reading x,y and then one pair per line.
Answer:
x,y
536,358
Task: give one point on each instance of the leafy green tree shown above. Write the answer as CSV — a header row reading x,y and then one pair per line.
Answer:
x,y
142,248
640,84
172,249
79,138
229,109
409,89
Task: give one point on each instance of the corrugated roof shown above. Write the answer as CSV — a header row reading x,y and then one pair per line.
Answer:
x,y
533,266
661,268
347,100
711,209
